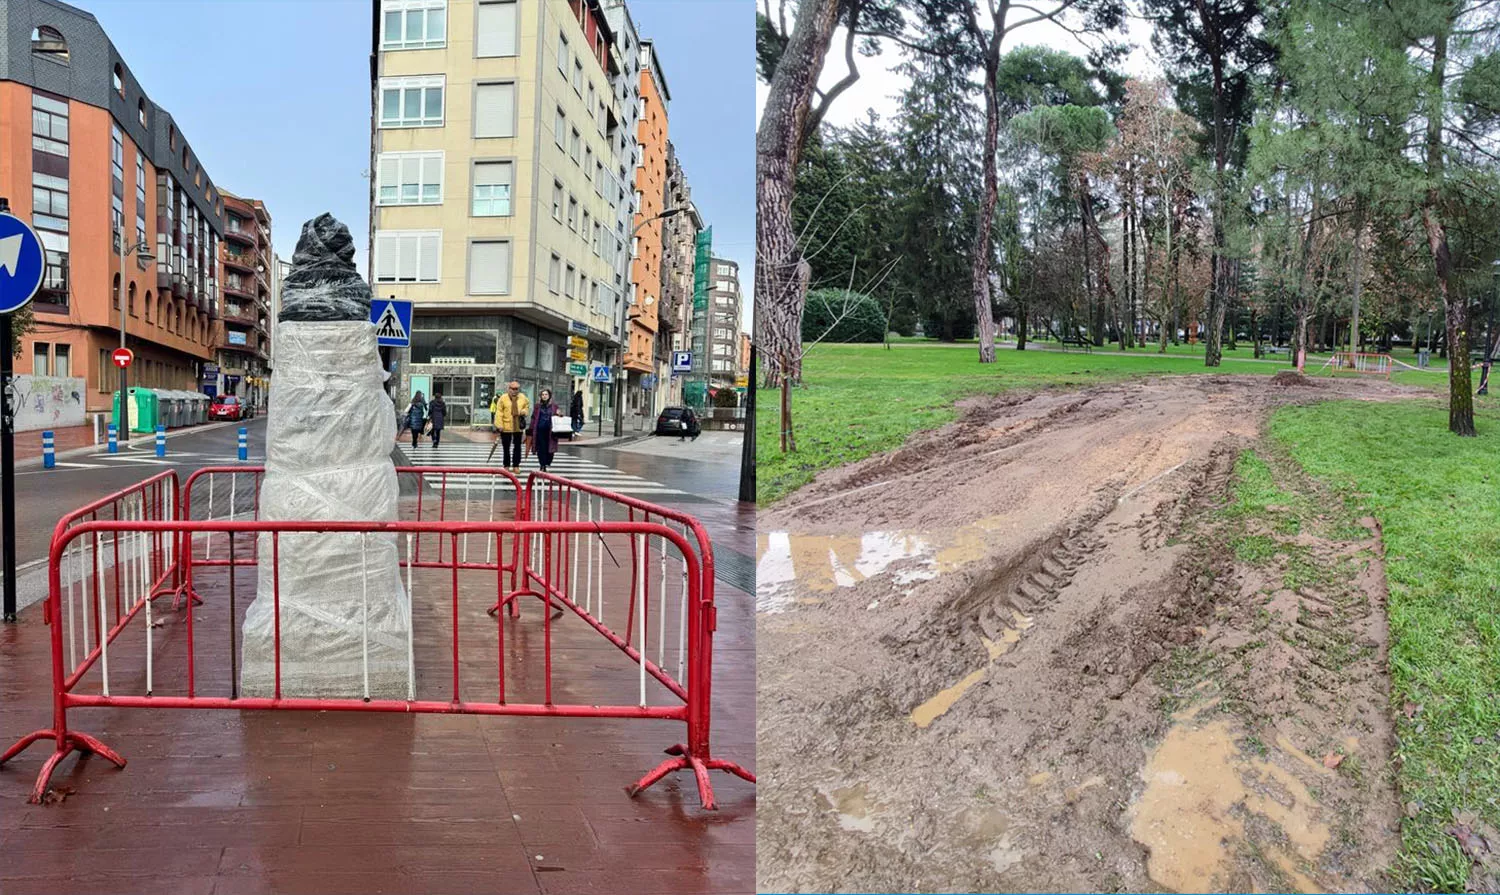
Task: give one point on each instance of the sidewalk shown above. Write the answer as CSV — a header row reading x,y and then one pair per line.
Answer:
x,y
483,435
69,438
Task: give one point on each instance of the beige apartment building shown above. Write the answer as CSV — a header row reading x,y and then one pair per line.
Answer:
x,y
499,195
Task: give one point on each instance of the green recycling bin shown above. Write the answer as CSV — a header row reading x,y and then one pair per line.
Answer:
x,y
143,410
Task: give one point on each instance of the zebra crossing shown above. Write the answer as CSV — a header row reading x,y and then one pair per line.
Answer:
x,y
570,465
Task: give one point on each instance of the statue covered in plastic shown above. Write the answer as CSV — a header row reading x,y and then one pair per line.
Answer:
x,y
345,615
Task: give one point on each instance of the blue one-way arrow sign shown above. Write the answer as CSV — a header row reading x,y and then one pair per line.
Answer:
x,y
392,319
22,263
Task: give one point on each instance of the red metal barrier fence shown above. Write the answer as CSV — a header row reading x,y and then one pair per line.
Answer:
x,y
526,556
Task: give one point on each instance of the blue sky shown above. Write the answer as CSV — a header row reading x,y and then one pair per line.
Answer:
x,y
274,97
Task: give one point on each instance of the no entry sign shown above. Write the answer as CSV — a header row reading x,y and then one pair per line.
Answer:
x,y
122,357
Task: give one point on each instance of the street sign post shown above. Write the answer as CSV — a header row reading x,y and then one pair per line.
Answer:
x,y
22,265
392,319
602,373
682,362
122,358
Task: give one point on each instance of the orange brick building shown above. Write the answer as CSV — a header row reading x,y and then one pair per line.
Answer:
x,y
84,153
641,356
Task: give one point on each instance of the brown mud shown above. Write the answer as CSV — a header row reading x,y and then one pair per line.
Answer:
x,y
1032,651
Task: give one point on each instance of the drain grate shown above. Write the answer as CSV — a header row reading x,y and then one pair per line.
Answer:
x,y
734,569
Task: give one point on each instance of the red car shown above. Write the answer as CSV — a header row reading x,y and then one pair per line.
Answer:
x,y
226,407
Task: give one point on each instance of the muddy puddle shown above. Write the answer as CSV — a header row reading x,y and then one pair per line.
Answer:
x,y
934,708
1208,806
819,564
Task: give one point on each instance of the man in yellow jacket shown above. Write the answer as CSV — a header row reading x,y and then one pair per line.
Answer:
x,y
510,413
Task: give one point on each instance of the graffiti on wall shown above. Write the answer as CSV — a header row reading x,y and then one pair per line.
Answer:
x,y
48,402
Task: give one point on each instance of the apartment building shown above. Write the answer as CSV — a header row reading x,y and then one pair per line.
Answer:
x,y
85,155
679,240
642,358
499,200
243,334
724,323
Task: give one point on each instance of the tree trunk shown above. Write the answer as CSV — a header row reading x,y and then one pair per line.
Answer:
x,y
983,315
1022,316
780,290
1455,307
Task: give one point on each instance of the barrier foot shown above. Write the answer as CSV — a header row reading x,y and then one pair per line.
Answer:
x,y
71,742
683,761
181,592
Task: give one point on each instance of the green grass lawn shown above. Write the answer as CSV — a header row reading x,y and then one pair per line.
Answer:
x,y
1438,501
863,399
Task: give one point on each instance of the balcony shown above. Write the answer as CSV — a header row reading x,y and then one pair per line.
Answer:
x,y
52,297
246,237
241,315
244,262
242,289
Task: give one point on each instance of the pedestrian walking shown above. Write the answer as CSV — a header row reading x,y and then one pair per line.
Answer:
x,y
437,412
542,433
575,410
416,417
509,413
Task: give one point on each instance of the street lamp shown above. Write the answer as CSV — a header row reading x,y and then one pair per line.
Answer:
x,y
143,256
624,323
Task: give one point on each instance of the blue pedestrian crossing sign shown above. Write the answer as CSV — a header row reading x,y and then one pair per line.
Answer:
x,y
392,319
682,362
22,263
601,373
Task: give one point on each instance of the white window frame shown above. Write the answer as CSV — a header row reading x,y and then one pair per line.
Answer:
x,y
417,235
421,83
559,196
560,129
562,54
554,275
406,8
515,92
401,159
474,187
572,213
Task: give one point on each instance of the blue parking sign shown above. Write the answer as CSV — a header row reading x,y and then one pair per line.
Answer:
x,y
22,263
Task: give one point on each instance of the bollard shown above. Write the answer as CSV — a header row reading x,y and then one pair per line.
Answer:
x,y
114,440
161,441
244,444
49,455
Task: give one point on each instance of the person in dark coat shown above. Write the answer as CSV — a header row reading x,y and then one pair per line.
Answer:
x,y
416,417
542,433
437,411
575,410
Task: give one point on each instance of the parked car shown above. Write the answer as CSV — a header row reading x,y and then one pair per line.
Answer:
x,y
674,420
226,407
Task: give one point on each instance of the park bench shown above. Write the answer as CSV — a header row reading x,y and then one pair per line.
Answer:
x,y
1085,344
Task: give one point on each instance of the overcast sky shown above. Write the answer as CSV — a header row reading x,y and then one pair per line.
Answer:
x,y
879,85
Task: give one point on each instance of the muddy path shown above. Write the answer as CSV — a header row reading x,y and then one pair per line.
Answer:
x,y
1034,651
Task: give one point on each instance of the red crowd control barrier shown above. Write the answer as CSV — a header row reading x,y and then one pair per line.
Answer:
x,y
448,633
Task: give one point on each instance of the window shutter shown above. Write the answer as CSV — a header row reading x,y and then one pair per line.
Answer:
x,y
489,268
386,254
497,29
495,110
432,172
429,254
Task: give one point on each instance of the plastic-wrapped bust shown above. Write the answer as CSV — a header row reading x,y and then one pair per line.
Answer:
x,y
323,283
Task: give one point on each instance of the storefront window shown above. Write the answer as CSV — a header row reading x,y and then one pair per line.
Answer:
x,y
443,346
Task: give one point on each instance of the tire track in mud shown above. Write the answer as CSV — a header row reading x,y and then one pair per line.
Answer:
x,y
1121,594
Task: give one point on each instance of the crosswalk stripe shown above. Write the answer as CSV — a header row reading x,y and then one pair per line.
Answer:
x,y
567,465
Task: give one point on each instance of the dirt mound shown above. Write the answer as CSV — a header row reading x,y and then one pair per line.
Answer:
x,y
991,720
1292,377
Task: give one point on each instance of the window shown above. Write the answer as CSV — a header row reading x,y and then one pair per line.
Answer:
x,y
557,201
413,24
430,345
407,256
495,110
595,241
560,129
554,275
119,79
562,54
117,155
492,182
575,148
489,267
61,357
572,281
49,202
39,364
724,270
584,229
598,178
49,124
48,43
140,197
148,306
408,178
495,29
140,110
411,102
130,299
588,162
572,214
724,285
578,77
593,98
